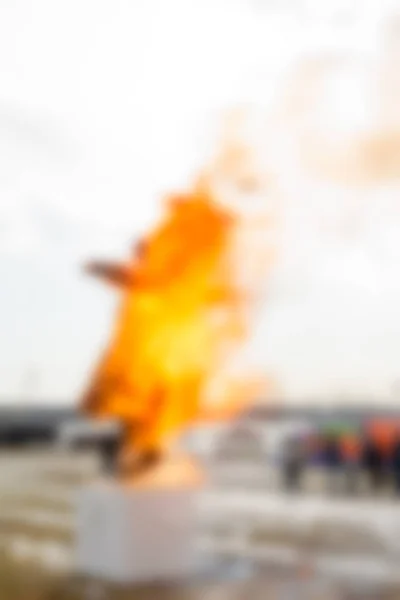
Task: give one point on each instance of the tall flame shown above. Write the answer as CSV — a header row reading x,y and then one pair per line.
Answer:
x,y
184,312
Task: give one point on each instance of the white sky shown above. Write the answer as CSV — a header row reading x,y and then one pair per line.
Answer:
x,y
105,105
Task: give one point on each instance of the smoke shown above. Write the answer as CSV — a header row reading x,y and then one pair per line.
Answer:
x,y
316,144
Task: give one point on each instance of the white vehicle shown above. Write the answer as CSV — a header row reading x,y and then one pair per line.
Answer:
x,y
202,440
86,432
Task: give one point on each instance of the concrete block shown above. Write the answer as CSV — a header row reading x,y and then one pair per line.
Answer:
x,y
127,534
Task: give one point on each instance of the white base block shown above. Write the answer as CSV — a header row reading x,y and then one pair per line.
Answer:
x,y
127,535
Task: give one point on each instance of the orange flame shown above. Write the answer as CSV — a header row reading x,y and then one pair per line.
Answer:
x,y
182,315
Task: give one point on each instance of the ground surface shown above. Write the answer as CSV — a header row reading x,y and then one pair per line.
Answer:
x,y
29,583
38,491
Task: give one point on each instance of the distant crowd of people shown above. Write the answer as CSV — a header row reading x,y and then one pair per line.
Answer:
x,y
349,464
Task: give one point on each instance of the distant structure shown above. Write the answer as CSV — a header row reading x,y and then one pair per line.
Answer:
x,y
26,421
21,425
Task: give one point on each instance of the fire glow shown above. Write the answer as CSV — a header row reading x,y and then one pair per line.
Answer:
x,y
184,313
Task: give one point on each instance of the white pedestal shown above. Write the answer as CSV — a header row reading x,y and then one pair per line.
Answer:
x,y
127,534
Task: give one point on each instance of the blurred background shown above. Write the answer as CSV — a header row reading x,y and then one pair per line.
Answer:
x,y
104,108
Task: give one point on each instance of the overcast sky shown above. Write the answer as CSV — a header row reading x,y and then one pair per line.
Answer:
x,y
107,104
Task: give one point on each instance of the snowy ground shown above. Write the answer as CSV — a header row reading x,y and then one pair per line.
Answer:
x,y
347,540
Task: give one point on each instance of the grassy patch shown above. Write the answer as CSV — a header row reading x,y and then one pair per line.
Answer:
x,y
35,502
37,532
70,478
20,581
345,539
27,582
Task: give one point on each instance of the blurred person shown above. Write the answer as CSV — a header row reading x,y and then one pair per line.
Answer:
x,y
109,448
293,464
334,462
351,457
373,464
394,460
